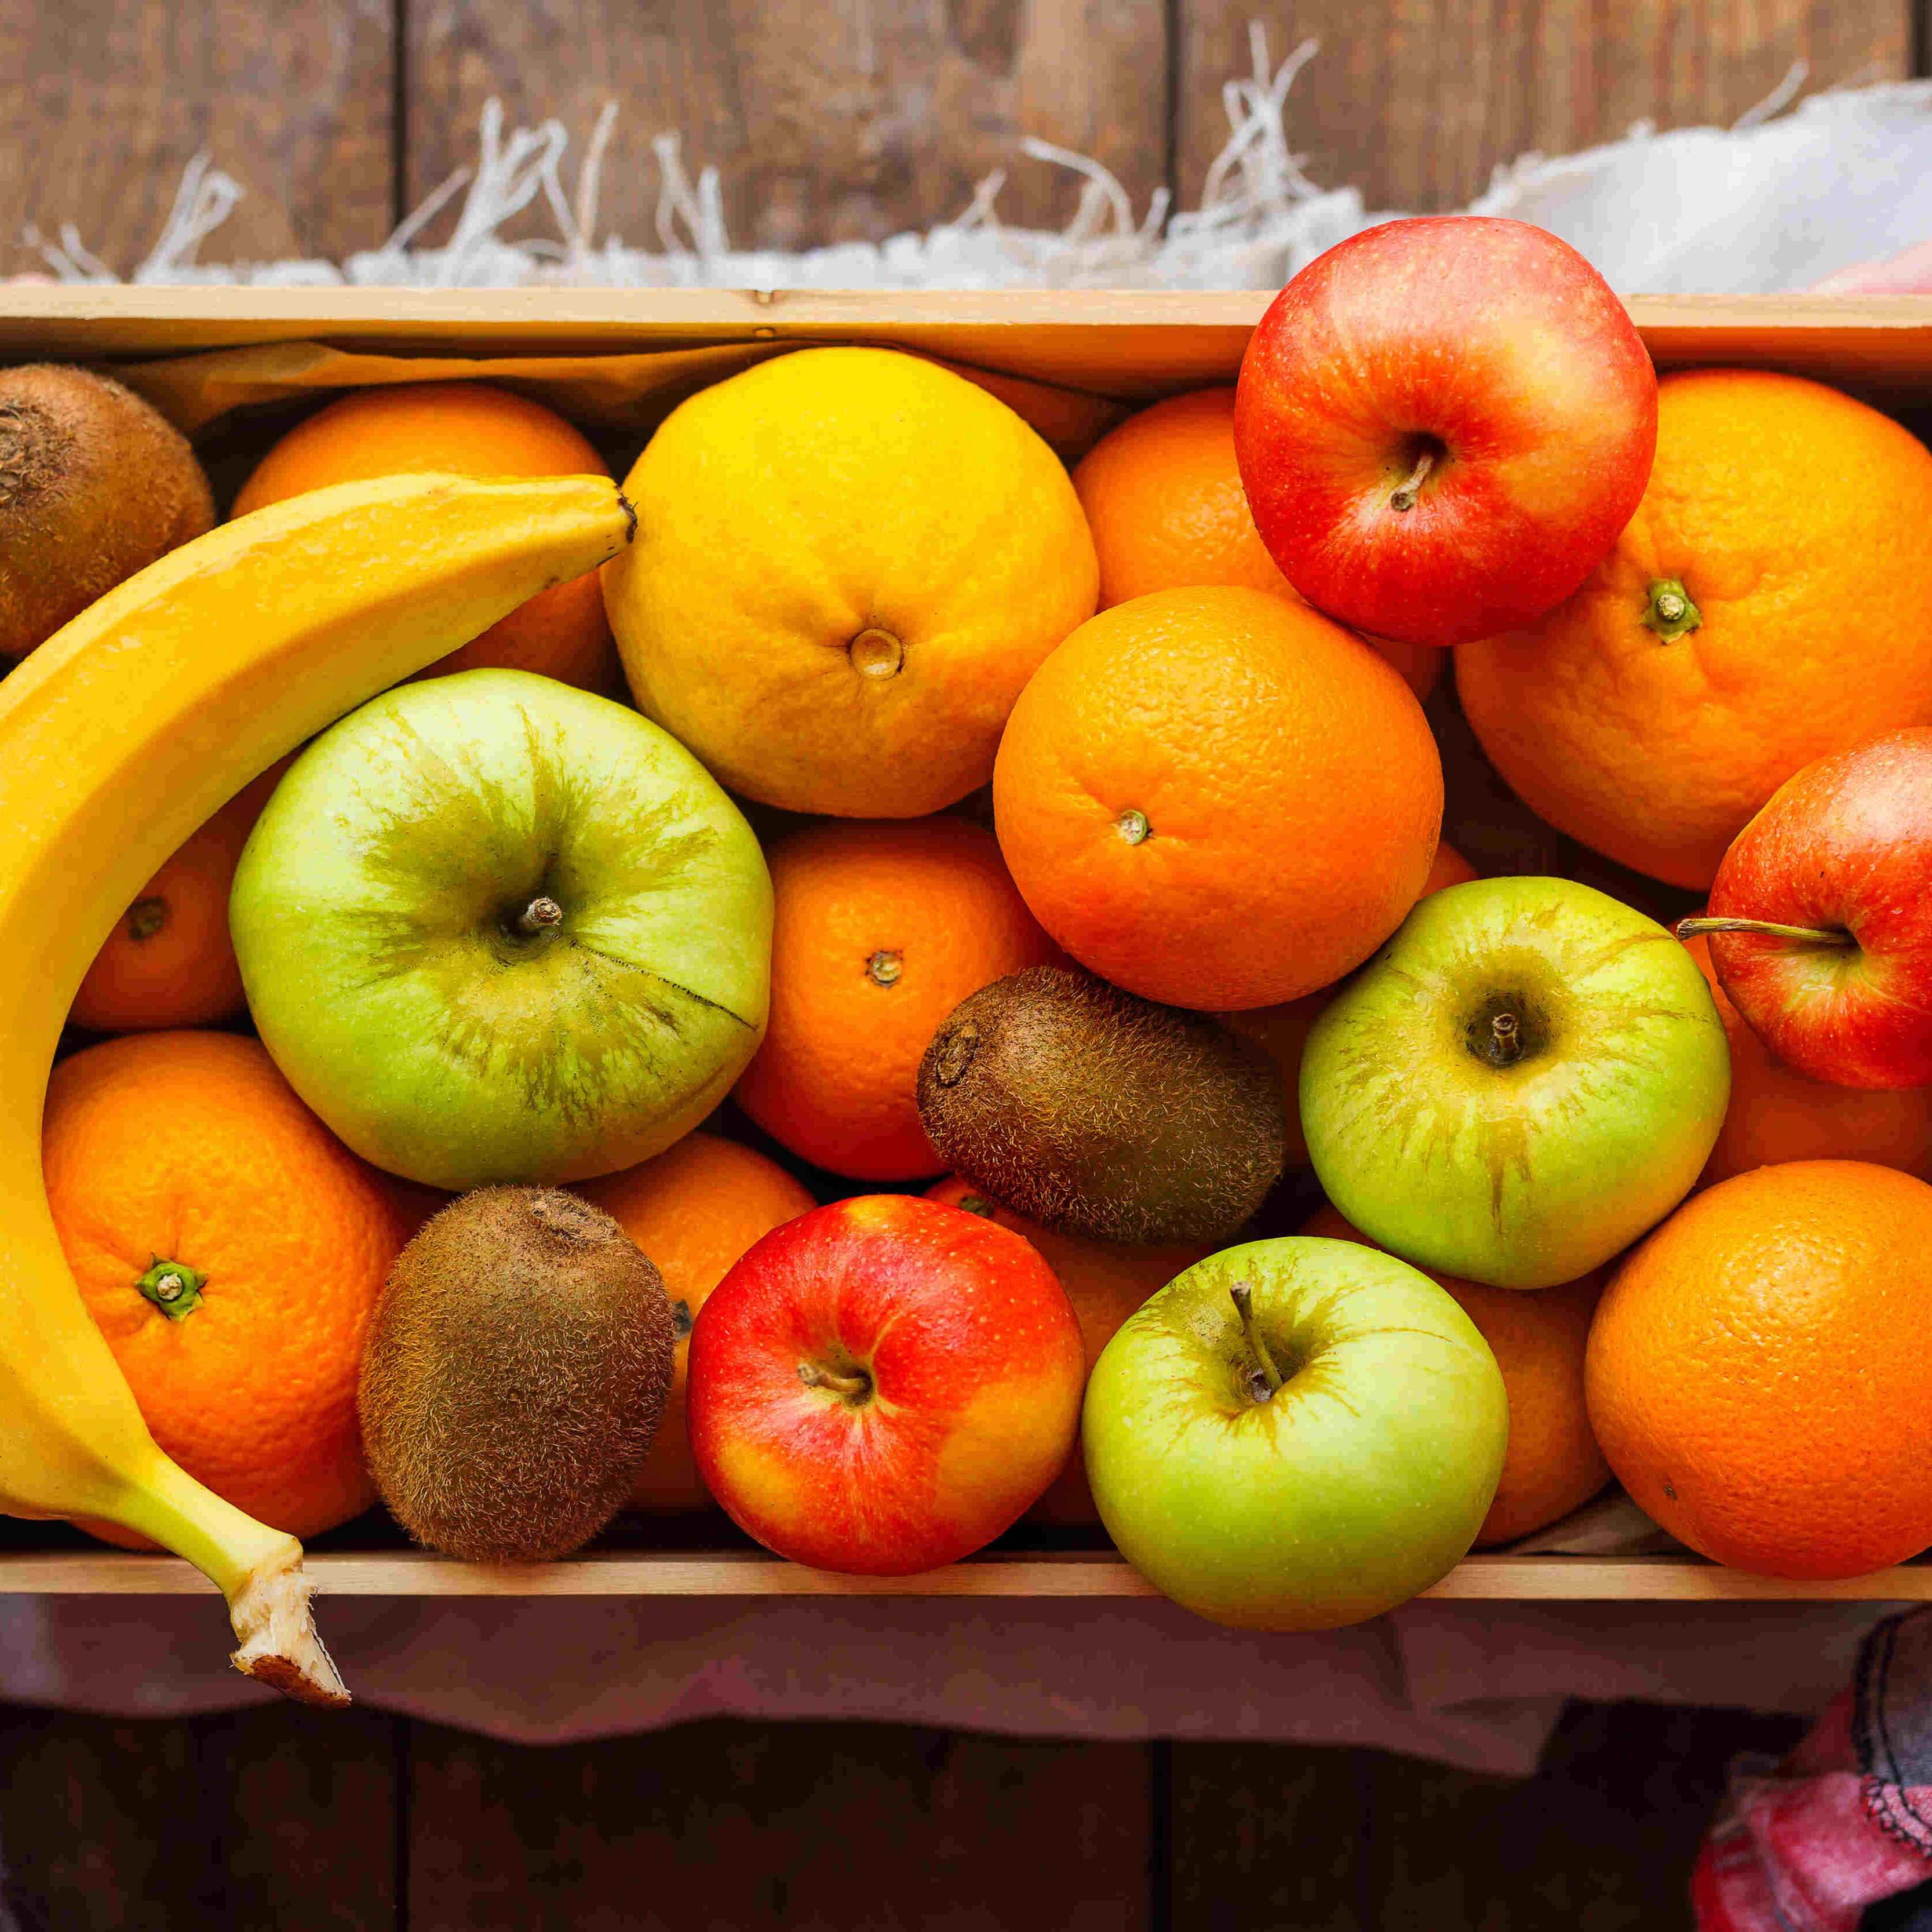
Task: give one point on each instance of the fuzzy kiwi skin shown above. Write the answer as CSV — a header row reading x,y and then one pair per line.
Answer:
x,y
94,485
1096,1113
516,1365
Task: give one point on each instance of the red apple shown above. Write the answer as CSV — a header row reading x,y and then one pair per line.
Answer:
x,y
1820,918
883,1385
1443,425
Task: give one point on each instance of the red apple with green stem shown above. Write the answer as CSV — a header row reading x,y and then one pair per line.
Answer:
x,y
883,1385
1442,425
1820,918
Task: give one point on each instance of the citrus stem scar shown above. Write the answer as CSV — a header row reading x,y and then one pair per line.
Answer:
x,y
1809,935
540,915
1242,1294
1409,492
883,969
813,1376
173,1287
1668,611
145,917
1132,826
876,653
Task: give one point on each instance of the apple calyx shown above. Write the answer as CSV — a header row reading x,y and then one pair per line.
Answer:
x,y
858,1383
541,914
1265,1380
1668,611
1409,492
1805,935
145,917
173,1287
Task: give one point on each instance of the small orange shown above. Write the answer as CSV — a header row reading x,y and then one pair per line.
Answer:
x,y
694,1209
1163,498
1778,1114
878,931
1758,1374
471,429
1553,1465
1106,1281
1217,798
183,1162
169,962
1282,1032
1770,602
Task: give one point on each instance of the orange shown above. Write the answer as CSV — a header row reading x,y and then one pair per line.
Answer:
x,y
1163,498
1218,799
472,429
1786,523
169,963
1758,1374
1282,1032
187,1156
693,1209
1553,1465
1777,1114
1106,1281
879,931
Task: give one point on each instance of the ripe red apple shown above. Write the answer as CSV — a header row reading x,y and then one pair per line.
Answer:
x,y
1442,426
883,1385
1820,918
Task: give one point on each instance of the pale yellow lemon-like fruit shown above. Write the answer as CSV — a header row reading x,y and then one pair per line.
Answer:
x,y
849,562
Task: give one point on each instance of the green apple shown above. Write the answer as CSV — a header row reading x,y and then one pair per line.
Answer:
x,y
1527,1077
495,929
1295,1435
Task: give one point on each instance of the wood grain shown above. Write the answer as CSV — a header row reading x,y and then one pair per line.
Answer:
x,y
850,121
862,1827
104,102
1415,102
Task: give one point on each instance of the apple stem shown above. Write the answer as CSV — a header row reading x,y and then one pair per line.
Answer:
x,y
1505,1040
540,915
813,1376
1409,492
1810,935
1242,1294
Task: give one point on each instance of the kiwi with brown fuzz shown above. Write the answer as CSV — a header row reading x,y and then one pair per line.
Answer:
x,y
1096,1113
94,485
516,1365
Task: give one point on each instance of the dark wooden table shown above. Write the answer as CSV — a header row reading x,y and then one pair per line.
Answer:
x,y
850,118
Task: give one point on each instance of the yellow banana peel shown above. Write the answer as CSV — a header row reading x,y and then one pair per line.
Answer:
x,y
120,736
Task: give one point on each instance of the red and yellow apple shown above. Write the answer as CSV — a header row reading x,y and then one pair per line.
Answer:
x,y
1820,918
882,1386
1442,425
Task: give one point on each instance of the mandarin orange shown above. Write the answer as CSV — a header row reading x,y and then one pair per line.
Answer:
x,y
1216,798
1757,1372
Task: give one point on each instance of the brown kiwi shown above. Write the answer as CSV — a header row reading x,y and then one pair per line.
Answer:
x,y
1095,1113
94,485
516,1365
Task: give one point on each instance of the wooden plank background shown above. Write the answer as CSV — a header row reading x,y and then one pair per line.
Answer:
x,y
844,119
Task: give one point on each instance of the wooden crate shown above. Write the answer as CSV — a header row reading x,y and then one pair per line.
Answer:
x,y
1127,346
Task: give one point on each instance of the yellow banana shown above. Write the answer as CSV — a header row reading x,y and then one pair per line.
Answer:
x,y
118,737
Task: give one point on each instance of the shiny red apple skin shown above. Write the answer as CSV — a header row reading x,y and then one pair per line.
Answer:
x,y
1503,344
977,1371
1845,845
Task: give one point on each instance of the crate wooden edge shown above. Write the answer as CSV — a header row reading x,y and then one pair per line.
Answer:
x,y
1548,1578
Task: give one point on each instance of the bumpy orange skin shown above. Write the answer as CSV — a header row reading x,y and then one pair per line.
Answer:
x,y
1290,790
1553,1465
695,1209
1106,1281
471,429
191,1147
835,1078
1795,518
975,1370
1778,1114
1758,1375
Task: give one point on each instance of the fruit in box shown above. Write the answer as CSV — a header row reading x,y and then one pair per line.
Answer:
x,y
1819,925
1295,1435
496,930
883,1385
1770,602
1442,425
1527,1078
856,559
